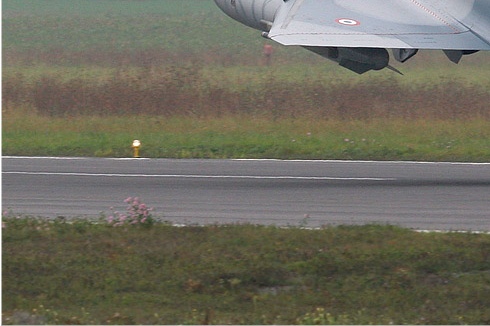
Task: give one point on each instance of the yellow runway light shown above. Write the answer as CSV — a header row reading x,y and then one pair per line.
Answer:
x,y
136,148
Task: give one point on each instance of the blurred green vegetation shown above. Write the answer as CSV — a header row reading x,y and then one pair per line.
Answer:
x,y
154,70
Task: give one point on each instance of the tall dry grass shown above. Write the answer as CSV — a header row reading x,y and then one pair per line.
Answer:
x,y
186,91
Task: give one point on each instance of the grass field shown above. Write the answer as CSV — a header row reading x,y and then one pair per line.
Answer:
x,y
247,137
193,111
84,273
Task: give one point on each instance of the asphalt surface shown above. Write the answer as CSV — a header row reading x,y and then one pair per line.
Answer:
x,y
429,196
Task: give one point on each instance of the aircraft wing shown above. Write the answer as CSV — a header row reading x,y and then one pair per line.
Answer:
x,y
392,24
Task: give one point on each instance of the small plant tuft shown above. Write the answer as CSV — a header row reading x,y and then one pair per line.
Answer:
x,y
137,213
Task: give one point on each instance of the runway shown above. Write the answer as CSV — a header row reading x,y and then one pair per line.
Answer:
x,y
429,196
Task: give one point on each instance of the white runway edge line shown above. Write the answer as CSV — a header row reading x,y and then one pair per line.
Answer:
x,y
196,176
240,159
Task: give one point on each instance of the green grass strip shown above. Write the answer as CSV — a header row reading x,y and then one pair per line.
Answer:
x,y
242,136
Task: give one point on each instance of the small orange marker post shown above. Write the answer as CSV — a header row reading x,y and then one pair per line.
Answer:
x,y
268,49
136,148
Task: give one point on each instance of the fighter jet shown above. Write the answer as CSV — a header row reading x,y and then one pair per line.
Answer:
x,y
358,33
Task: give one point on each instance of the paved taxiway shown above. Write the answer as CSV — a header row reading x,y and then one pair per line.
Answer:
x,y
443,196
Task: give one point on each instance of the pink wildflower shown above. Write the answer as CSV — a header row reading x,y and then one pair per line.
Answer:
x,y
136,212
